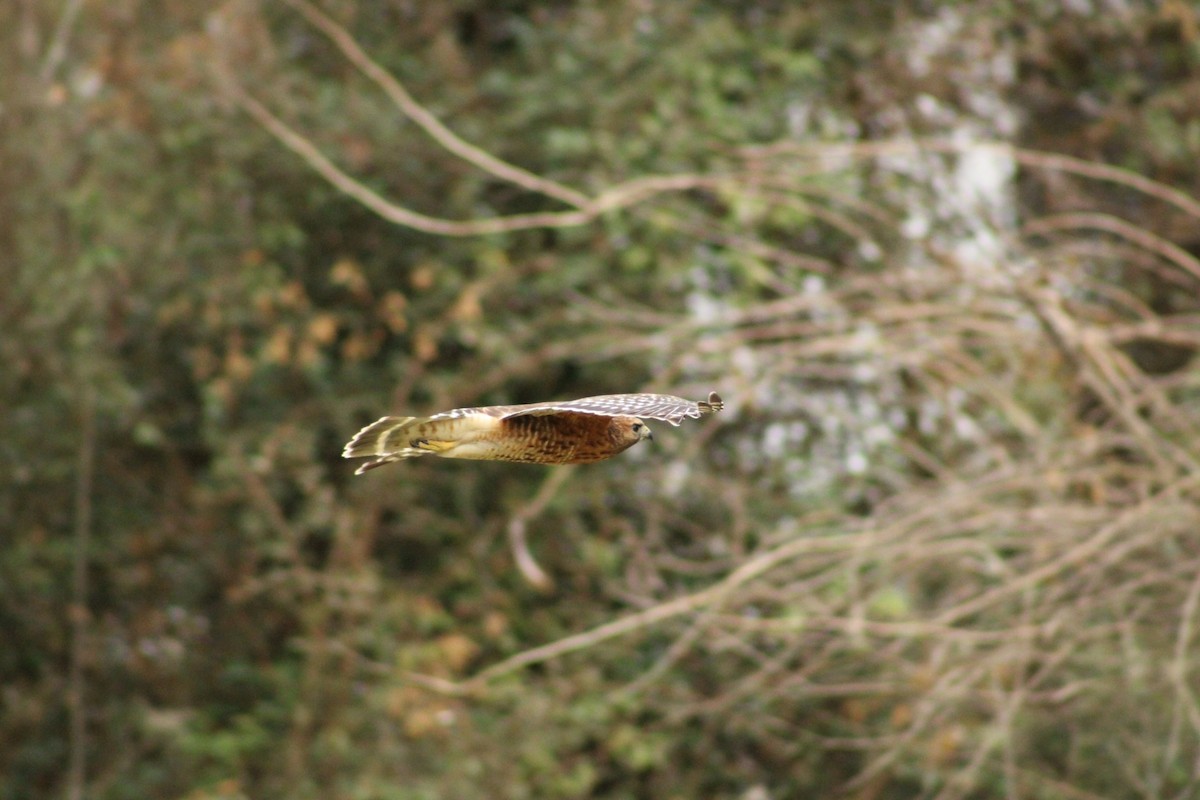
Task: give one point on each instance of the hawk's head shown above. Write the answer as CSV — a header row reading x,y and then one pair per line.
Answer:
x,y
641,429
628,431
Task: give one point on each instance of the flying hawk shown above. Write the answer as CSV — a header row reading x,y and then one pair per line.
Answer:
x,y
568,432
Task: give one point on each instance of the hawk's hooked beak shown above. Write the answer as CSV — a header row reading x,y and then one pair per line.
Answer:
x,y
647,433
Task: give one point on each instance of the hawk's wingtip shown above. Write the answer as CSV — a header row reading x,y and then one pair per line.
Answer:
x,y
713,405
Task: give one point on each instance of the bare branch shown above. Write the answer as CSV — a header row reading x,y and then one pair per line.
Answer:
x,y
1075,557
1106,222
428,122
525,561
617,197
658,613
1032,158
388,210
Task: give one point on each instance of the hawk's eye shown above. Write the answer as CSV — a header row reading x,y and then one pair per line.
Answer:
x,y
637,426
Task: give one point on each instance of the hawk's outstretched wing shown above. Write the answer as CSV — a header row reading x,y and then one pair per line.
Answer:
x,y
664,407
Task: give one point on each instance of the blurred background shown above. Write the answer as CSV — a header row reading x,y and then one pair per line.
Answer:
x,y
940,259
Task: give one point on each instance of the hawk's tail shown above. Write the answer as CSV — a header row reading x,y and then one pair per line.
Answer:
x,y
385,441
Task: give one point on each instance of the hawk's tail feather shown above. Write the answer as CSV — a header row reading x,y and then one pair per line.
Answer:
x,y
379,462
383,440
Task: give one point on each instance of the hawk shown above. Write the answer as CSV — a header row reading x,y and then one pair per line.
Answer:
x,y
568,432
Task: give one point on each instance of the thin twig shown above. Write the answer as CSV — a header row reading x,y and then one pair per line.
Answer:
x,y
57,50
525,561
